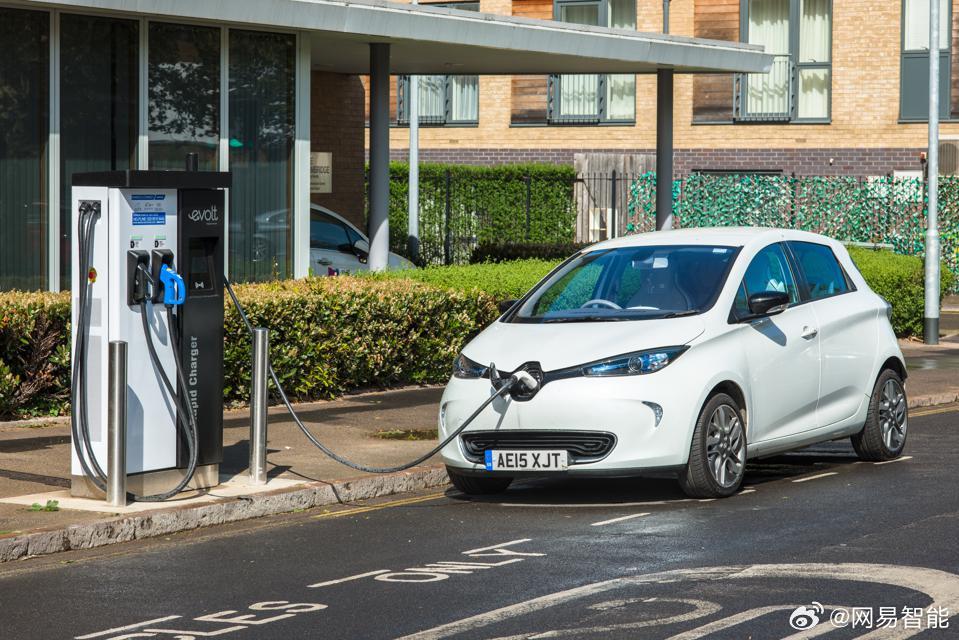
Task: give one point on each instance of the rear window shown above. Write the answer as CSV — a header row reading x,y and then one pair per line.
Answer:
x,y
821,270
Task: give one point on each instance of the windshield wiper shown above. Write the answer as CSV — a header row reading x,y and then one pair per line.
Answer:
x,y
585,319
680,314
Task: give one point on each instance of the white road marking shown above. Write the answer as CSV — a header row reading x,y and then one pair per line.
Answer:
x,y
496,546
745,491
348,579
894,460
126,628
619,519
940,587
817,476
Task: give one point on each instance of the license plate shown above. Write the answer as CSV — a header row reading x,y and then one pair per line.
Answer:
x,y
510,460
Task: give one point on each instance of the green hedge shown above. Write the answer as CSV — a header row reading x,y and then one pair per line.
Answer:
x,y
505,252
484,204
900,279
327,335
501,281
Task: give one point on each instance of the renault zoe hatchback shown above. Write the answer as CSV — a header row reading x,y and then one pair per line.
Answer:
x,y
690,351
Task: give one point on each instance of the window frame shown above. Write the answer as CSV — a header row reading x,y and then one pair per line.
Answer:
x,y
803,283
403,87
735,318
945,66
794,72
554,81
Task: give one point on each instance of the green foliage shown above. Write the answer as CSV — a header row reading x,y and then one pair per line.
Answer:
x,y
330,335
486,204
34,356
51,505
878,209
899,279
501,281
504,252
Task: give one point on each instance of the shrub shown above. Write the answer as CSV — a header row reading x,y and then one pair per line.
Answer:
x,y
899,279
502,281
503,252
34,353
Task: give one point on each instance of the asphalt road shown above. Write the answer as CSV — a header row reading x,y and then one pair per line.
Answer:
x,y
549,559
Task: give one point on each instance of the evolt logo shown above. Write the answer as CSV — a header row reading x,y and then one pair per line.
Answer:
x,y
205,215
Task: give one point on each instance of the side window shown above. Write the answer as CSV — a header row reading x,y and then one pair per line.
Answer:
x,y
769,271
327,233
820,268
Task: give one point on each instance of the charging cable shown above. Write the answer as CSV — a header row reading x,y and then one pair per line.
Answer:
x,y
520,378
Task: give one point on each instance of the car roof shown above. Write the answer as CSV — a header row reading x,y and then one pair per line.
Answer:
x,y
339,218
724,236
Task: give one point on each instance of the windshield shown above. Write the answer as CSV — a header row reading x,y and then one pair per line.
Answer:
x,y
630,283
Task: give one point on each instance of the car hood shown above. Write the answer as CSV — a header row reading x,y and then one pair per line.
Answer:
x,y
556,346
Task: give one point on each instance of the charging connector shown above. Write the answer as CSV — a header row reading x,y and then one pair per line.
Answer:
x,y
137,291
159,258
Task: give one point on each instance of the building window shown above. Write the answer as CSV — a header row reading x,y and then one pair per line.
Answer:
x,y
592,98
442,100
24,127
798,87
261,108
914,68
99,104
184,92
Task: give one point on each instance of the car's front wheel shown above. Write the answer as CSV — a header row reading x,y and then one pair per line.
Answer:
x,y
473,485
717,455
883,437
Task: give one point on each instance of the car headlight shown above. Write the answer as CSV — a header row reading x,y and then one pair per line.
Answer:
x,y
463,367
633,364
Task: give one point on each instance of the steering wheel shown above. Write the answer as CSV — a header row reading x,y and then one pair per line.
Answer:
x,y
600,302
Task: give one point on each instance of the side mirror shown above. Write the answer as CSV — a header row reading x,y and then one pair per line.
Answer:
x,y
361,248
505,305
768,303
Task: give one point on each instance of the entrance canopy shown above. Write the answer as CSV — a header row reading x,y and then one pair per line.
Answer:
x,y
427,40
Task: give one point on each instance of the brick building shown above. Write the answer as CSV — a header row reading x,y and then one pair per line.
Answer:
x,y
846,95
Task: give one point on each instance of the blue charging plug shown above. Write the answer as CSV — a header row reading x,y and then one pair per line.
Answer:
x,y
174,289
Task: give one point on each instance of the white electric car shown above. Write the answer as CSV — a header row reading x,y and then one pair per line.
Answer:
x,y
690,350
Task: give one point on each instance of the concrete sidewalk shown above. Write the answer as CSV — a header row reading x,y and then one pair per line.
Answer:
x,y
35,460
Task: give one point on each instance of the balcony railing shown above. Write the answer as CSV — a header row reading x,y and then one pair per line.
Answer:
x,y
766,97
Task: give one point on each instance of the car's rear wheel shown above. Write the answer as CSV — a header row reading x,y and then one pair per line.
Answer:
x,y
883,437
473,485
717,454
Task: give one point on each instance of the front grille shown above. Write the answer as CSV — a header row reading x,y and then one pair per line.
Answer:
x,y
582,446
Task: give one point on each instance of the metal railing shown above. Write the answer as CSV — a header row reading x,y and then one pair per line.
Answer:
x,y
765,97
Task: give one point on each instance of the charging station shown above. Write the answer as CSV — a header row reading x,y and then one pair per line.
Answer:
x,y
148,256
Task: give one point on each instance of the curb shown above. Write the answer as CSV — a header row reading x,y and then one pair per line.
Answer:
x,y
167,521
929,400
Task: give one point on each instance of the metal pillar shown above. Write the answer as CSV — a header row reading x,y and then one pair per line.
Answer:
x,y
930,324
413,218
379,156
664,149
117,424
258,404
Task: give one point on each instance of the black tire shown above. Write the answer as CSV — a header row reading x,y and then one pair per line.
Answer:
x,y
875,443
474,485
696,479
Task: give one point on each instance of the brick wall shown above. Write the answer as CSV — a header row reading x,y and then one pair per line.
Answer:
x,y
830,161
337,125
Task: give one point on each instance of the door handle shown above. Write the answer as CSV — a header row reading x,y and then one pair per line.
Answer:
x,y
809,333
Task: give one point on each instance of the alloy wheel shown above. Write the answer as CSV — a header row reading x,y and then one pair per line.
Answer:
x,y
892,415
725,446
